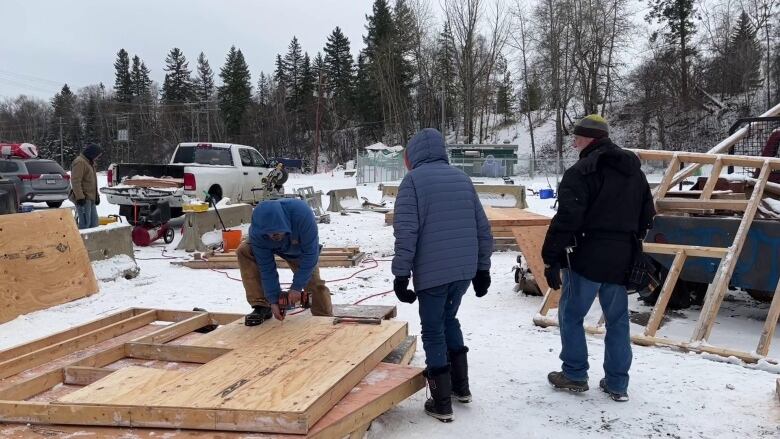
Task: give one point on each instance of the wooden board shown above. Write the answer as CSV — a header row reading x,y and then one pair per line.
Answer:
x,y
503,217
155,182
380,390
279,377
122,385
530,240
43,262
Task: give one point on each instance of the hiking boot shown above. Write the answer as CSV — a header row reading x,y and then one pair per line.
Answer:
x,y
439,405
460,376
560,381
616,396
258,315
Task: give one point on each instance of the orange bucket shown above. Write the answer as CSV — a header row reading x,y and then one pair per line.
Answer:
x,y
230,240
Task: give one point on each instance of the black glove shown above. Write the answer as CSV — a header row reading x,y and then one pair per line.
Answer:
x,y
81,202
553,275
402,291
481,282
97,201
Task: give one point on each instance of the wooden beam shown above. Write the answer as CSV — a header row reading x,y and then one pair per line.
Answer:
x,y
666,293
706,192
770,324
66,335
689,250
41,356
84,375
693,347
666,181
681,203
102,358
33,386
714,298
176,353
176,330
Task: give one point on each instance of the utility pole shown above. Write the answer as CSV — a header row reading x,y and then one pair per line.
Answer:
x,y
62,155
443,115
317,123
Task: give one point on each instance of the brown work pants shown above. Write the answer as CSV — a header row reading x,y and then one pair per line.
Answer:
x,y
253,282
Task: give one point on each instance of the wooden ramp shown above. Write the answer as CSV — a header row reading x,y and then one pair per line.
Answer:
x,y
43,262
329,257
280,377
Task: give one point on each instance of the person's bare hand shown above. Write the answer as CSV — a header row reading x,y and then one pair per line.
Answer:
x,y
277,312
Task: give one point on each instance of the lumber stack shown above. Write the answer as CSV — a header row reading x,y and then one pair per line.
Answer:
x,y
125,374
329,257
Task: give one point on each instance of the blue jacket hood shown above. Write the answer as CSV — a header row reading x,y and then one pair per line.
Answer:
x,y
270,218
427,146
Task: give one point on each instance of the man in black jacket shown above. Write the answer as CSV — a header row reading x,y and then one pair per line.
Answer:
x,y
605,207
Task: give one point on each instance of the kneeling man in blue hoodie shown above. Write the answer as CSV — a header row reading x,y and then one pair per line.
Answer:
x,y
284,228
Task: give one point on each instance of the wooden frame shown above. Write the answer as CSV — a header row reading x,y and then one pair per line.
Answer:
x,y
91,368
728,256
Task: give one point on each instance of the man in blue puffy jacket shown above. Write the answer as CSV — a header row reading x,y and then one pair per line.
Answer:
x,y
284,228
442,240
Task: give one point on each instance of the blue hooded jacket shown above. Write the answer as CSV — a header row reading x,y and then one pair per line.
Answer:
x,y
442,234
301,242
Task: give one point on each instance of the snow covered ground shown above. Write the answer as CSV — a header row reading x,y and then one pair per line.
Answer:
x,y
673,394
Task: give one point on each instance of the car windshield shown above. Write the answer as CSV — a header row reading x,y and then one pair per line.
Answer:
x,y
44,167
203,155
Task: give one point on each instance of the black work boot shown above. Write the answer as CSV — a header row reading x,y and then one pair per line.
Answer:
x,y
616,396
460,375
258,315
559,381
439,405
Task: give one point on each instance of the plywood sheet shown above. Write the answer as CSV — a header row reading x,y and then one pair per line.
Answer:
x,y
381,389
126,384
503,217
530,240
285,375
43,262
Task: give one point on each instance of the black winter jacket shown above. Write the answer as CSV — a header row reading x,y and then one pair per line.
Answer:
x,y
604,205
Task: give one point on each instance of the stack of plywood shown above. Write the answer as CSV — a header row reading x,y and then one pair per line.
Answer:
x,y
329,257
304,376
43,262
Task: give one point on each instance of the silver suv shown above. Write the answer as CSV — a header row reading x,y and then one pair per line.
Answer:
x,y
37,180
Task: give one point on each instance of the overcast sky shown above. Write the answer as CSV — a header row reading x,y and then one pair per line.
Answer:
x,y
44,44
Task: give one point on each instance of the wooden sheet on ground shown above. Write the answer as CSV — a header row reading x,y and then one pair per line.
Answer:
x,y
379,391
43,262
279,377
503,217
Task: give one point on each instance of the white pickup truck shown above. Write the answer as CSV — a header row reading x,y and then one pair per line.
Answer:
x,y
217,169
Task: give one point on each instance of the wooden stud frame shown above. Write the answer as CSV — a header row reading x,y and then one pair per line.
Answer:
x,y
89,369
729,256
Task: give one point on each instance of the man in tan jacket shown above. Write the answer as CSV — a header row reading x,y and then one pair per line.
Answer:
x,y
84,192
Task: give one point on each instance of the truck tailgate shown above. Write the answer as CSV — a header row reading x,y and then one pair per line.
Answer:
x,y
128,170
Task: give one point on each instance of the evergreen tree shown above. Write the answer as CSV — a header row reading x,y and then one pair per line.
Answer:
x,y
678,16
375,65
445,71
505,97
264,89
280,72
366,95
139,78
293,68
66,112
235,93
309,82
338,69
204,81
123,85
743,57
177,86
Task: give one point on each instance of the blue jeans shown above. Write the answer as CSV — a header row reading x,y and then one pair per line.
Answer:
x,y
440,326
87,216
576,299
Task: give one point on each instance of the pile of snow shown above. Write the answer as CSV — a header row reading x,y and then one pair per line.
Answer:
x,y
120,266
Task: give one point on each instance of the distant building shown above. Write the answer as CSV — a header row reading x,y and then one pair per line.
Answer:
x,y
484,160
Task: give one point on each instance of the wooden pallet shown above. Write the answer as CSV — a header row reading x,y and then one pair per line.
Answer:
x,y
43,262
225,388
728,256
344,257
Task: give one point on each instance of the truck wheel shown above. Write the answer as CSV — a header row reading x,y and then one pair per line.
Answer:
x,y
215,192
681,295
761,296
54,204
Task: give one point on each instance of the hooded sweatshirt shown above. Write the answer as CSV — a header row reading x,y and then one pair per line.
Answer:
x,y
604,206
442,234
296,220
